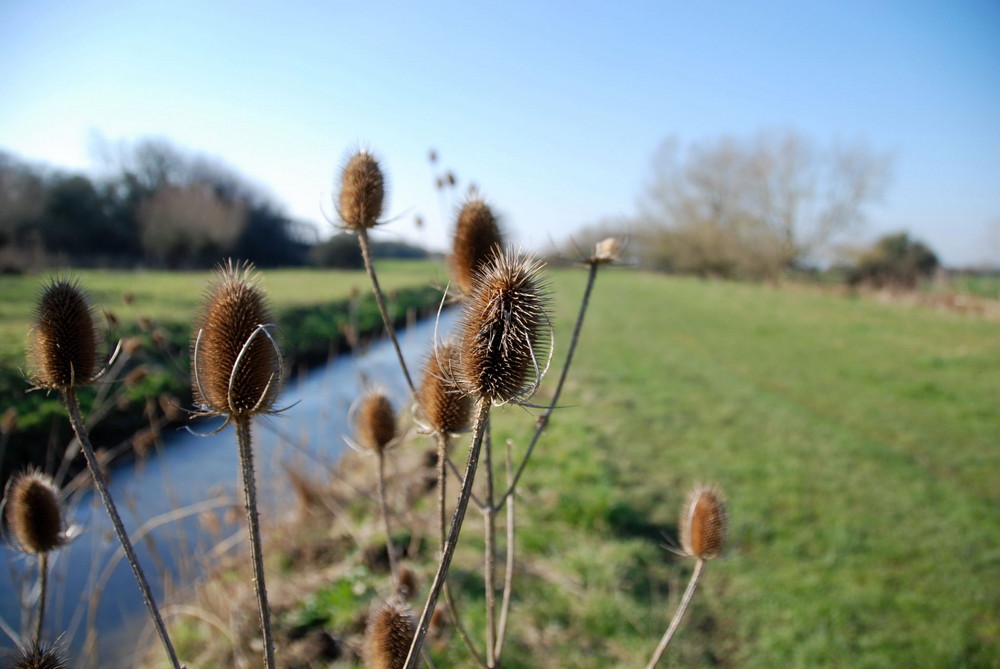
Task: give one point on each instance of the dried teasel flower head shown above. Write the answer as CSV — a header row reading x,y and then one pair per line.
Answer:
x,y
62,344
376,422
38,656
502,351
34,513
235,362
387,639
607,250
444,407
477,236
703,523
362,191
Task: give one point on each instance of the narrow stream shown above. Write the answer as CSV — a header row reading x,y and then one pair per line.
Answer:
x,y
173,492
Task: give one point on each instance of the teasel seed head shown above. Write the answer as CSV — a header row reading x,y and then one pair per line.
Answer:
x,y
502,351
362,191
607,250
477,236
236,365
443,404
703,523
62,345
390,631
34,514
376,422
39,656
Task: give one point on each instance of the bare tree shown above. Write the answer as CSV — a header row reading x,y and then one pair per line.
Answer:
x,y
757,205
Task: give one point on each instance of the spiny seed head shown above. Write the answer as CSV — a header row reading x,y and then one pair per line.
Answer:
x,y
236,365
444,405
34,514
376,422
477,236
388,637
501,352
36,656
362,191
62,345
703,523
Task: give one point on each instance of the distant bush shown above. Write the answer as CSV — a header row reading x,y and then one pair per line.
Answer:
x,y
895,261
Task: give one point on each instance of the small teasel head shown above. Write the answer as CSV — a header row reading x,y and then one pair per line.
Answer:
x,y
34,514
236,364
703,523
387,639
376,422
39,656
502,351
444,406
62,344
362,191
607,250
477,236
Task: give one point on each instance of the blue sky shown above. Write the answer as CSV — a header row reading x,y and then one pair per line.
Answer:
x,y
554,109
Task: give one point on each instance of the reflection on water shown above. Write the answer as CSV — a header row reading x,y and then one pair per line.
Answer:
x,y
166,500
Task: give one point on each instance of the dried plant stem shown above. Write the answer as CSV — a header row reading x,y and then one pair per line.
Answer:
x,y
73,407
253,525
699,567
543,420
489,555
481,415
508,580
380,300
43,581
390,549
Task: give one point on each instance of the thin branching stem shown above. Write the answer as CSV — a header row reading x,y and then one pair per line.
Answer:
x,y
73,407
482,413
699,567
43,580
380,299
508,580
253,525
543,420
489,554
383,501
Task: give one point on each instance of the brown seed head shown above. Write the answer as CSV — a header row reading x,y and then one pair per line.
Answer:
x,y
34,514
376,422
35,656
703,523
236,365
62,345
362,191
388,637
477,236
444,405
501,352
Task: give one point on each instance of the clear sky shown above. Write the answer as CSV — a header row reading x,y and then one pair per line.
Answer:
x,y
553,108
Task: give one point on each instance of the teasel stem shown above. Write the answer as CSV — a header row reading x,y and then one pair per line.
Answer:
x,y
390,549
73,407
253,525
482,413
699,567
508,580
43,581
380,300
543,419
489,554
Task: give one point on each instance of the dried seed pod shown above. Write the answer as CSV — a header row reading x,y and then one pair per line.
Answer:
x,y
477,237
236,365
703,523
38,656
501,349
388,637
62,345
607,250
443,404
34,513
362,191
376,422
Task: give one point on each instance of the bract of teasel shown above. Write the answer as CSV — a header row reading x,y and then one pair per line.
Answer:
x,y
235,361
62,347
502,351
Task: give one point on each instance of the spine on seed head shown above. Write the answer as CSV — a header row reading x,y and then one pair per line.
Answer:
x,y
39,656
477,236
387,640
236,364
34,514
62,345
704,522
502,351
362,191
